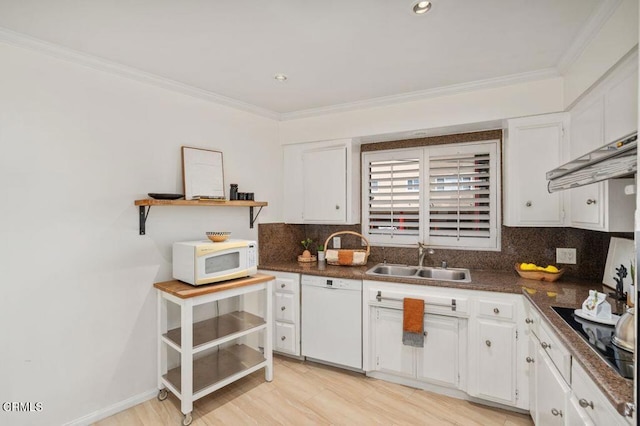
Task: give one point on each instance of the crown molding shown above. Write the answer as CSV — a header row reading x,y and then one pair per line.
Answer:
x,y
95,62
587,33
425,94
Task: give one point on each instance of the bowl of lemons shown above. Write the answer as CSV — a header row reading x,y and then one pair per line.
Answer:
x,y
541,273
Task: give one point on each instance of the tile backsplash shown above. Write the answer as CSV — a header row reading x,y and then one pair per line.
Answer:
x,y
281,242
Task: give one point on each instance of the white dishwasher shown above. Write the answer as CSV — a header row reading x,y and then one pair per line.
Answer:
x,y
332,320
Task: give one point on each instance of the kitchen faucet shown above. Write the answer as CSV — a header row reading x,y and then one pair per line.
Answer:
x,y
423,249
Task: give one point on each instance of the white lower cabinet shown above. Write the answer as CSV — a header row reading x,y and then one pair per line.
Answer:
x,y
389,355
495,366
496,373
436,362
561,392
286,312
552,392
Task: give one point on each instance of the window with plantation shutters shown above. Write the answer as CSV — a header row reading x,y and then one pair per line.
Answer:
x,y
392,197
445,196
462,196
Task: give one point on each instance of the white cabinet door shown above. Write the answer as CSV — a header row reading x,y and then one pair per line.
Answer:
x,y
495,366
621,106
531,359
534,146
437,361
587,134
322,182
325,186
389,355
552,392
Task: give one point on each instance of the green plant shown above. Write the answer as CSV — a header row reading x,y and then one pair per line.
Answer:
x,y
306,243
320,247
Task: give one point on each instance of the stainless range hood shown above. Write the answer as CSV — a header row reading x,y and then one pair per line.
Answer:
x,y
613,160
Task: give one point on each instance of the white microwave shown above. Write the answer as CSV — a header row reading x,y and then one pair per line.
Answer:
x,y
205,262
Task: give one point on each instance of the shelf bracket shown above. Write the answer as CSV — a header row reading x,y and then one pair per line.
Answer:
x,y
143,218
252,219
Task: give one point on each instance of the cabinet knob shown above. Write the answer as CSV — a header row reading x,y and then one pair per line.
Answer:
x,y
591,201
282,308
488,343
528,204
496,311
528,321
530,360
283,338
283,285
337,207
584,403
556,412
545,345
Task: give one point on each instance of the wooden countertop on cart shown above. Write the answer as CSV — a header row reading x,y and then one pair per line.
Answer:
x,y
186,291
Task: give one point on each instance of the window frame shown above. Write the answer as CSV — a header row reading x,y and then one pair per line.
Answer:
x,y
424,153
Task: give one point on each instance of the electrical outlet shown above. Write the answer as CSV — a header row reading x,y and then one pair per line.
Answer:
x,y
566,256
336,243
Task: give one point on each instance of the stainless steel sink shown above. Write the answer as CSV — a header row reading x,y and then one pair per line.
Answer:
x,y
423,273
395,270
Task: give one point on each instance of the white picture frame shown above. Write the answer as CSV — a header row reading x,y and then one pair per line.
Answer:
x,y
202,174
621,252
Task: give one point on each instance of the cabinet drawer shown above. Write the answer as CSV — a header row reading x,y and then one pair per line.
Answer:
x,y
285,307
286,284
556,351
591,401
496,310
285,338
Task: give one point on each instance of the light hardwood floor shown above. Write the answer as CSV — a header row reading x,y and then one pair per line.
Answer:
x,y
306,393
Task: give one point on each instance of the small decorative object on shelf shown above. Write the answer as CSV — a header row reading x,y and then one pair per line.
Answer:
x,y
306,254
218,236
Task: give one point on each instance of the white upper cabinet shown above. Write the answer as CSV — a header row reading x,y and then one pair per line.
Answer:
x,y
321,182
533,146
608,112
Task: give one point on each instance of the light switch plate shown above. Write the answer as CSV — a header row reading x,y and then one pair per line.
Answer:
x,y
336,243
566,256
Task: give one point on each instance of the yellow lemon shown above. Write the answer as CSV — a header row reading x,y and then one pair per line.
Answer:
x,y
528,266
551,268
539,268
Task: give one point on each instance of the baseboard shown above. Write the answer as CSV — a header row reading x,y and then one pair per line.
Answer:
x,y
113,409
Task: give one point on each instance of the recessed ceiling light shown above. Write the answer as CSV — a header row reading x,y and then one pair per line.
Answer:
x,y
280,77
421,7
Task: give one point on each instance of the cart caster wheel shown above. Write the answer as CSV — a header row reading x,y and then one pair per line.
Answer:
x,y
187,419
162,394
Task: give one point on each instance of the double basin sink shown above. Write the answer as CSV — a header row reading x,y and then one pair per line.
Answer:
x,y
421,272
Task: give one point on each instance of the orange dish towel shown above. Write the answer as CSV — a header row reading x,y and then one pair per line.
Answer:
x,y
413,322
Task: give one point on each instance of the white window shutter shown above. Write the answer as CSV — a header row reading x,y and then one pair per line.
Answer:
x,y
462,196
391,197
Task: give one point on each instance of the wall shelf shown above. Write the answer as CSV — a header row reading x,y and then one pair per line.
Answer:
x,y
145,206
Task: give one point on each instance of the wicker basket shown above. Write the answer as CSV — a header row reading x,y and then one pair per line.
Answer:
x,y
346,257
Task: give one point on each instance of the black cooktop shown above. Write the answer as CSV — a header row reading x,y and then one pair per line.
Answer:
x,y
598,336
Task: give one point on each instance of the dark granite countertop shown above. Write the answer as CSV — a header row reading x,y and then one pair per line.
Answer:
x,y
567,292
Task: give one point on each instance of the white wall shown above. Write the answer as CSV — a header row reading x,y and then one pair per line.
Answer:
x,y
617,37
77,147
479,106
